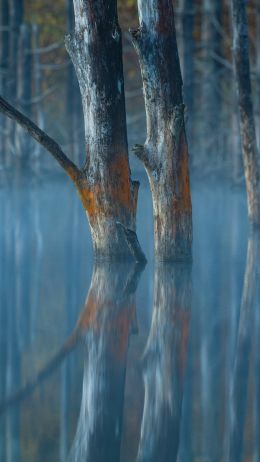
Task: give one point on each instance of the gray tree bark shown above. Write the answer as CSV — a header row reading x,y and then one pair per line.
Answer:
x,y
108,193
247,123
4,49
187,12
24,89
74,112
165,153
16,12
211,82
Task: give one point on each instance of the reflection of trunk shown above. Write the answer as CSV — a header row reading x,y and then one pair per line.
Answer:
x,y
24,95
165,154
165,362
107,316
5,232
13,377
257,378
247,124
107,191
239,390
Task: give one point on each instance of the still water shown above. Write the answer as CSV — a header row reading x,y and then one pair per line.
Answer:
x,y
105,362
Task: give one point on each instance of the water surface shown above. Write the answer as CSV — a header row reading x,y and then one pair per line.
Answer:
x,y
165,362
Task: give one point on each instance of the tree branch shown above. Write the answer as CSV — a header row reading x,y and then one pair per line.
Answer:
x,y
42,138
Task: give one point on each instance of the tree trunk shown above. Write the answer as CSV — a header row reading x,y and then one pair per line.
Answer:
x,y
16,19
187,8
107,191
211,83
24,90
4,49
258,72
165,153
247,124
164,364
74,112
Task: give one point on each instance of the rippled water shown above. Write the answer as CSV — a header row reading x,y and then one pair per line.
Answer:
x,y
115,363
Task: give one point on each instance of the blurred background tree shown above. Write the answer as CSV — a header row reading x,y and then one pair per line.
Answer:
x,y
204,40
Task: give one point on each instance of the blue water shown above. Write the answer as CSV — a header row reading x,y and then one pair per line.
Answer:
x,y
166,364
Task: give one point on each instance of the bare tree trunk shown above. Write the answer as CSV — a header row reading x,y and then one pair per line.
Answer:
x,y
211,82
24,90
4,49
37,86
247,124
107,189
16,19
165,153
165,364
187,11
258,72
74,111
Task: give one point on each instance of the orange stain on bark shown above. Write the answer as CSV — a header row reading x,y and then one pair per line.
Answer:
x,y
120,181
183,204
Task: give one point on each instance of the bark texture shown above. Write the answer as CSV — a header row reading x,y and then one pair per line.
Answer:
x,y
211,83
107,191
247,124
165,153
4,48
187,12
24,89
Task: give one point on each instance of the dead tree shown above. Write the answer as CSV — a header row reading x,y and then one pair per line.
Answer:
x,y
247,123
24,89
4,48
104,183
211,89
165,153
187,12
75,127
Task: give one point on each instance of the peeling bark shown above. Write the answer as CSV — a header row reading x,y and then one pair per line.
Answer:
x,y
165,153
247,123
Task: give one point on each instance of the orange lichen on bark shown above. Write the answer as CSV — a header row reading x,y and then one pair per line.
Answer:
x,y
120,181
183,204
